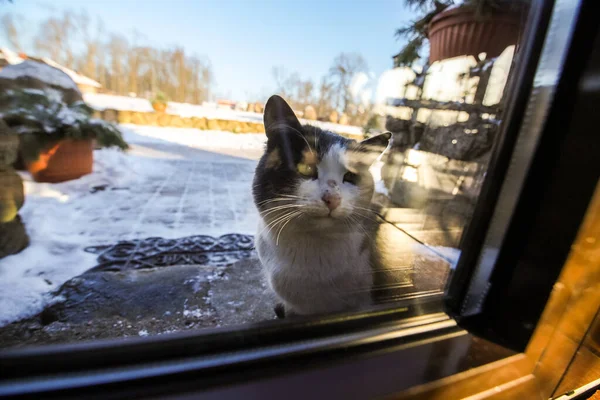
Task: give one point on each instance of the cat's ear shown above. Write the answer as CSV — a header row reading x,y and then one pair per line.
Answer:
x,y
379,141
279,115
370,149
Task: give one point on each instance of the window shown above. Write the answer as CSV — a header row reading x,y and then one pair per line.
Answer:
x,y
367,211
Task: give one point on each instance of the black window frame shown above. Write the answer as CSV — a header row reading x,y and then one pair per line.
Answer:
x,y
375,352
541,223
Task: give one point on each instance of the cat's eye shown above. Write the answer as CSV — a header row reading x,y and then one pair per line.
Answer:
x,y
308,170
351,177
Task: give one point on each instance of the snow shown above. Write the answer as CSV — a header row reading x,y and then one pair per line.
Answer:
x,y
201,139
77,77
101,102
10,56
52,216
69,116
38,70
13,58
122,199
64,218
187,110
450,254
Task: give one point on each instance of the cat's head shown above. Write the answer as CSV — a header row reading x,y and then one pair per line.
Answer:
x,y
311,178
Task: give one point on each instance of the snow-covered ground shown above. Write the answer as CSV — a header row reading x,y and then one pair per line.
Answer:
x,y
103,102
198,139
172,183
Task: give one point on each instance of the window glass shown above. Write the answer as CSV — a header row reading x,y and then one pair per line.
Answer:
x,y
174,167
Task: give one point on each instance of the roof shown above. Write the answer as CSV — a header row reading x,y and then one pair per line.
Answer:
x,y
39,71
77,77
13,58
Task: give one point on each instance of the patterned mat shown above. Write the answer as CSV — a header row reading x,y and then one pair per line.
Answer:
x,y
158,252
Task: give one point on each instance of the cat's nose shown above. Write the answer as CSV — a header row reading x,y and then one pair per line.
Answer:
x,y
332,200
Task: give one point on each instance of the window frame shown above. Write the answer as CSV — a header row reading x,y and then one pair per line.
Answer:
x,y
555,165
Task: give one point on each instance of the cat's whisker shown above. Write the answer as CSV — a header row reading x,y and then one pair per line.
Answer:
x,y
275,210
361,227
291,196
367,217
365,209
282,220
348,224
272,224
297,214
280,209
272,201
282,197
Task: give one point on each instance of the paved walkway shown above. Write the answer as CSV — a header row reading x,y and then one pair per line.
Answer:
x,y
190,191
159,189
168,190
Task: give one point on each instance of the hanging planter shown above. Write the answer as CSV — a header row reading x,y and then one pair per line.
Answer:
x,y
460,31
456,28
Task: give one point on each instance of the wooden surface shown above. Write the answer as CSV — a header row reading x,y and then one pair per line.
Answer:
x,y
585,366
564,352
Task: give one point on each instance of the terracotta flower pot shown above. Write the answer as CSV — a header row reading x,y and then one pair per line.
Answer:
x,y
458,32
159,107
68,159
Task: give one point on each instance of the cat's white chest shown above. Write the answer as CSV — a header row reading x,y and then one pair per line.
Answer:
x,y
312,273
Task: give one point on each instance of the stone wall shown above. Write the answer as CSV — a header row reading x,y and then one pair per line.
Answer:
x,y
176,121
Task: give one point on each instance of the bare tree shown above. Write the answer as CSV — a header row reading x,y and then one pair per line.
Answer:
x,y
89,61
325,98
119,65
298,92
10,31
53,39
118,49
305,93
345,67
285,83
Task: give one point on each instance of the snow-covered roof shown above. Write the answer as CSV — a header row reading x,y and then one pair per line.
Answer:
x,y
103,102
13,58
38,70
77,77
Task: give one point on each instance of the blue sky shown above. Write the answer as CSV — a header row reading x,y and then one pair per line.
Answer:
x,y
245,39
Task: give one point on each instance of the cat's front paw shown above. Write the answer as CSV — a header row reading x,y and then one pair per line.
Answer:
x,y
279,311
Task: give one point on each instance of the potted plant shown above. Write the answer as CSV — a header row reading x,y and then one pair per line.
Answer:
x,y
56,139
454,28
159,102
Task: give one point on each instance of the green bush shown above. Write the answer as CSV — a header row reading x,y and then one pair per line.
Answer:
x,y
42,120
160,97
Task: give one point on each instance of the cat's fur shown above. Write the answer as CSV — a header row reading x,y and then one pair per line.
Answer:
x,y
316,257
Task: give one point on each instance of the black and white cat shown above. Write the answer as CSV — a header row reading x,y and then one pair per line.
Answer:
x,y
313,191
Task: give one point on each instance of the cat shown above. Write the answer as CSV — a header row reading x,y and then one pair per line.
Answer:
x,y
313,192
